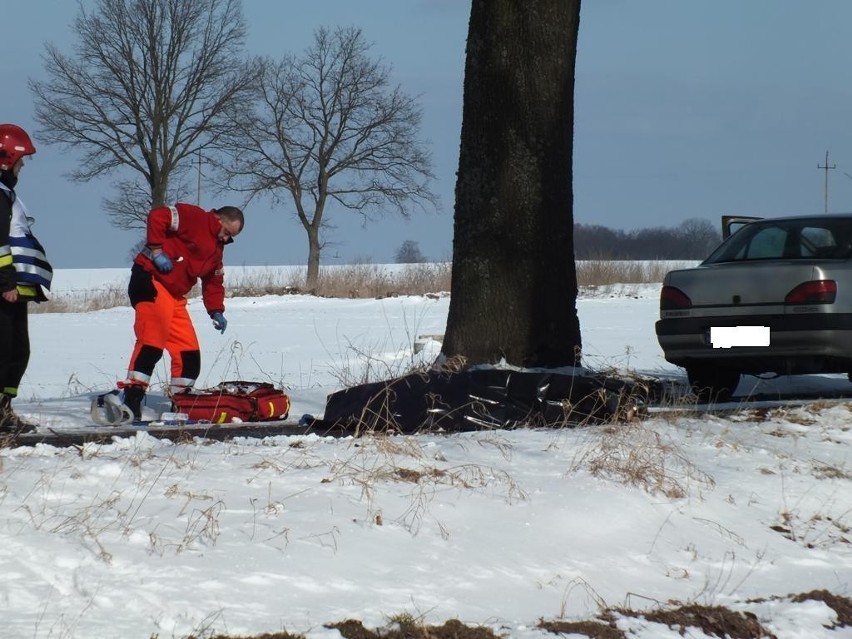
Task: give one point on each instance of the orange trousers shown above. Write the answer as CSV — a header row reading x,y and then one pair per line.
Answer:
x,y
164,324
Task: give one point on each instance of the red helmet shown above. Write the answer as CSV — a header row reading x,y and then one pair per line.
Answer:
x,y
14,144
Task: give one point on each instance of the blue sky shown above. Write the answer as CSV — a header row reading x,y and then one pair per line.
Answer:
x,y
683,110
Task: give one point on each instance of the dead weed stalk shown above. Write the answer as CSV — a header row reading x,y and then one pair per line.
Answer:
x,y
381,459
634,454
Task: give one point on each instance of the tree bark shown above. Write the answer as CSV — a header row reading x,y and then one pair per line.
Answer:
x,y
312,277
514,283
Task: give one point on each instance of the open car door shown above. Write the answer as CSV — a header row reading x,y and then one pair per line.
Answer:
x,y
733,223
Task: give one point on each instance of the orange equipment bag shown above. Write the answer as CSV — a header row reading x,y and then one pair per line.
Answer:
x,y
234,401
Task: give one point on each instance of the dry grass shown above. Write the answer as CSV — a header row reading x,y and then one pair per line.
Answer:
x,y
358,281
380,459
605,272
84,301
377,281
271,281
636,455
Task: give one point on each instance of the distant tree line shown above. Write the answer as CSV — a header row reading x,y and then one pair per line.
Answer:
x,y
691,240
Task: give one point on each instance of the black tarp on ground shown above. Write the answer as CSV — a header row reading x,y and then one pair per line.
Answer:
x,y
481,399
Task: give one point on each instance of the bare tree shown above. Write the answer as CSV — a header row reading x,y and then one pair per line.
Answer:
x,y
327,126
143,93
514,284
699,237
409,253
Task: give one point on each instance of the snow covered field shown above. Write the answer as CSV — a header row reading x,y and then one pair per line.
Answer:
x,y
144,537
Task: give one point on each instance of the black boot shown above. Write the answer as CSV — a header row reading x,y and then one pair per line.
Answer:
x,y
9,421
133,398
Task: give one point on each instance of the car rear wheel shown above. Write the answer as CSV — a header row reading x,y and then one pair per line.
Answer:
x,y
711,384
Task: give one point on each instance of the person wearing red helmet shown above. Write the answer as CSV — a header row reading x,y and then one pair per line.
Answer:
x,y
184,244
24,272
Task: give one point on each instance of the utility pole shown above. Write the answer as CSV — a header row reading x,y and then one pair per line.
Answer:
x,y
826,167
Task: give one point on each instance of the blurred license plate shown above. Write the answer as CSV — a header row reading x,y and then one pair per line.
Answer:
x,y
728,336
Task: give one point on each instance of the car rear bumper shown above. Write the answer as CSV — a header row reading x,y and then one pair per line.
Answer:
x,y
798,344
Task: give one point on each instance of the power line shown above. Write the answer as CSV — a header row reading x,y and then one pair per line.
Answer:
x,y
826,167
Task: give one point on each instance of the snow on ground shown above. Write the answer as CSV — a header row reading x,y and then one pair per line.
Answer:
x,y
144,537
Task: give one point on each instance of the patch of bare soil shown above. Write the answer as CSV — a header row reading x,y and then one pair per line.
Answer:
x,y
841,605
716,621
712,620
266,635
592,629
452,629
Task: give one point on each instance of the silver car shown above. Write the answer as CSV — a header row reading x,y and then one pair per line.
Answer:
x,y
774,297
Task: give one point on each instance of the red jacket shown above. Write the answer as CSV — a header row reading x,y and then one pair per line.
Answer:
x,y
189,236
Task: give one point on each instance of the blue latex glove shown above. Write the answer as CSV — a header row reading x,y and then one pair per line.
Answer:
x,y
219,321
162,262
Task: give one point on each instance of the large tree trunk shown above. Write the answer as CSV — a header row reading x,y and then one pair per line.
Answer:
x,y
312,279
514,283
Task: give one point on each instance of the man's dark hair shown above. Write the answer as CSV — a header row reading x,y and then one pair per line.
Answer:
x,y
232,214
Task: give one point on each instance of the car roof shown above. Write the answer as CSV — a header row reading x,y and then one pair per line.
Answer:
x,y
815,216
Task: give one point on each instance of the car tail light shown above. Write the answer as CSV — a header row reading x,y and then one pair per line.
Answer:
x,y
672,298
814,292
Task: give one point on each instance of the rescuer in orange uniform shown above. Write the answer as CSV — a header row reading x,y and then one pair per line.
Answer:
x,y
184,243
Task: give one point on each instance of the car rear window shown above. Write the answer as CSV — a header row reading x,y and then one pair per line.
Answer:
x,y
795,239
